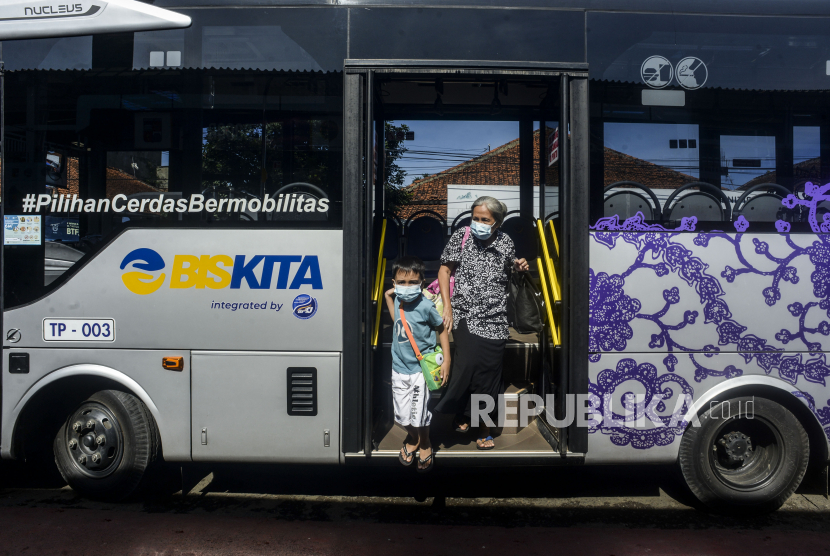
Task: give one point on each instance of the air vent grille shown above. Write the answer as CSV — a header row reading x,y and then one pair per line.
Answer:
x,y
302,391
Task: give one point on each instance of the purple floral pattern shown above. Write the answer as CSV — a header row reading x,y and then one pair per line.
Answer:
x,y
667,392
704,308
823,414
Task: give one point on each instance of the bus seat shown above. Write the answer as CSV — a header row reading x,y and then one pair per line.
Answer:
x,y
392,243
522,230
462,220
620,198
708,203
426,235
626,204
762,207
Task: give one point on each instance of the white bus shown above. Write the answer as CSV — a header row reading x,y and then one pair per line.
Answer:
x,y
198,221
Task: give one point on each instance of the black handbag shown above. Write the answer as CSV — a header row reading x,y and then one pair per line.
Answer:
x,y
525,304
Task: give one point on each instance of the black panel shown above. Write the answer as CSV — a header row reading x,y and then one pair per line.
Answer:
x,y
352,378
112,50
459,34
301,392
748,7
578,263
19,363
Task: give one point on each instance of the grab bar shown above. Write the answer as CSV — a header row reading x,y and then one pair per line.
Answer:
x,y
548,306
557,293
379,299
378,274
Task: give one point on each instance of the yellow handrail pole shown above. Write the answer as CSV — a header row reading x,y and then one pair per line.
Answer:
x,y
379,299
553,235
378,274
557,293
548,306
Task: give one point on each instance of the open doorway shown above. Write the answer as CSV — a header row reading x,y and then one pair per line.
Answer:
x,y
442,142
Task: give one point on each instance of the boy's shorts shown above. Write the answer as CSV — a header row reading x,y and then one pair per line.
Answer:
x,y
410,396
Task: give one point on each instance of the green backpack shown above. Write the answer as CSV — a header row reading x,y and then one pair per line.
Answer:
x,y
430,363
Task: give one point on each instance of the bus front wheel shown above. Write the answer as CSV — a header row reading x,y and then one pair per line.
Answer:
x,y
748,454
107,445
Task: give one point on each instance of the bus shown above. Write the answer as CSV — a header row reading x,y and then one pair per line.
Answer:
x,y
200,223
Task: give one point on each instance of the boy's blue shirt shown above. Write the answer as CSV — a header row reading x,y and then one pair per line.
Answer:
x,y
422,318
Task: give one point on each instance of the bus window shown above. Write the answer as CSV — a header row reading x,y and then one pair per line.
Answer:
x,y
195,148
717,132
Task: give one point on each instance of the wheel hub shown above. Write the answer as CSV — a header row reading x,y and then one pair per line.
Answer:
x,y
94,440
736,445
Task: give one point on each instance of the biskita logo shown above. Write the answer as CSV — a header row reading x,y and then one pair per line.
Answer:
x,y
304,306
141,282
221,271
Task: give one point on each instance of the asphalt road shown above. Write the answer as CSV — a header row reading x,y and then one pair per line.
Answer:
x,y
327,511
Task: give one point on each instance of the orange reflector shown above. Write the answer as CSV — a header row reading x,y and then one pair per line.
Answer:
x,y
173,363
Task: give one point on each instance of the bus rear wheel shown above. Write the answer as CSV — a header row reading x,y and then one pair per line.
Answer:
x,y
749,454
107,445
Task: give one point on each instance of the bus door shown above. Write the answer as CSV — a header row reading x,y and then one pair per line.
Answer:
x,y
421,144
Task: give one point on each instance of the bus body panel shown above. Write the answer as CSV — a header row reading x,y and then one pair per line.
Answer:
x,y
674,316
165,393
242,407
198,289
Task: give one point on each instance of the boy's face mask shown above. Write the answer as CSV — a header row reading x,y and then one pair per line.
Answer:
x,y
407,293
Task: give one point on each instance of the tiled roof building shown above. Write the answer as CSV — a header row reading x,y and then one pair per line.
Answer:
x,y
500,166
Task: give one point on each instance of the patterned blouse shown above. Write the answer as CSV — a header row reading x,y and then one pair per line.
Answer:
x,y
480,294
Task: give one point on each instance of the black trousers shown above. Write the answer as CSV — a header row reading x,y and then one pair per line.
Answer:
x,y
476,369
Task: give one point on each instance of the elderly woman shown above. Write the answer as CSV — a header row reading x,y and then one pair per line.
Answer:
x,y
477,312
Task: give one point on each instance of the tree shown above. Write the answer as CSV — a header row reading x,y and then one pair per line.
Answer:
x,y
397,196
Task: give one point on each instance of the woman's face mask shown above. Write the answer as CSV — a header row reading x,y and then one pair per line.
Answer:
x,y
407,293
480,230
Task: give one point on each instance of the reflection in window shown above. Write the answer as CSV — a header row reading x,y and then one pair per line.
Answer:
x,y
660,156
745,159
166,148
806,153
262,46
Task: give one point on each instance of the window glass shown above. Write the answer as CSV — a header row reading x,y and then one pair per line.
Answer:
x,y
68,53
746,159
806,153
295,39
693,51
88,155
719,157
454,34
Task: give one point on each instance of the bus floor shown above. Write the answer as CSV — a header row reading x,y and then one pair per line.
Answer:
x,y
445,439
521,365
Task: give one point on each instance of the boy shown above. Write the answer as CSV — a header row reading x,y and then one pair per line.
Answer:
x,y
409,390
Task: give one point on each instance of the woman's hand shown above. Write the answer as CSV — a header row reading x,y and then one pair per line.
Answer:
x,y
444,274
520,265
447,316
445,371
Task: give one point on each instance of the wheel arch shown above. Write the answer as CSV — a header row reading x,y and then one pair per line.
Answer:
x,y
48,401
773,389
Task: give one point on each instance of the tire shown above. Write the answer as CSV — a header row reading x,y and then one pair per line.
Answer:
x,y
108,460
749,460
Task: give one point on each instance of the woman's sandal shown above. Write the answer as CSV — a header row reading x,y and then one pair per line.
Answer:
x,y
406,454
457,426
482,441
429,460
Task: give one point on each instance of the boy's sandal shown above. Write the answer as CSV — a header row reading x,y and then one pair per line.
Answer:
x,y
406,454
429,460
480,443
